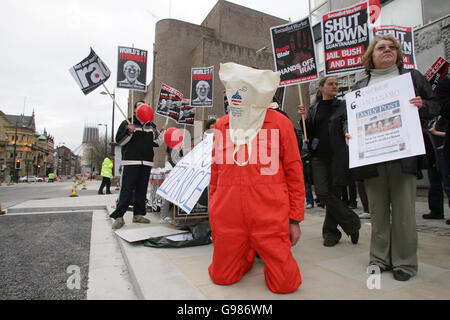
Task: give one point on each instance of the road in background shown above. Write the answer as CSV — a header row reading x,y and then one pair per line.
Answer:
x,y
15,194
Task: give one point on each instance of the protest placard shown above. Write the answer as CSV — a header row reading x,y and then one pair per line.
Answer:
x,y
294,53
90,73
279,96
405,36
383,125
345,34
185,183
187,113
167,97
202,82
437,71
132,69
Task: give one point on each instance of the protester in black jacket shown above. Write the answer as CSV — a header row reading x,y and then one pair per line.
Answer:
x,y
443,94
137,140
391,186
326,126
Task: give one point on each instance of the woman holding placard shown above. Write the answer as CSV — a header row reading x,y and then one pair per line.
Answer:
x,y
391,185
326,125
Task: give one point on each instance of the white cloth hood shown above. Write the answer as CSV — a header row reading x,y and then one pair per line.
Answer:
x,y
249,92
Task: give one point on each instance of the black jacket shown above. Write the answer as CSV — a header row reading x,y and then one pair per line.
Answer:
x,y
337,127
429,110
137,147
443,93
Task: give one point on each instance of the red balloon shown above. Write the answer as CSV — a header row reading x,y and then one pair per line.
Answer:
x,y
144,113
173,138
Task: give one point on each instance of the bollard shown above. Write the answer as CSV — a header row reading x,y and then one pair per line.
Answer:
x,y
2,212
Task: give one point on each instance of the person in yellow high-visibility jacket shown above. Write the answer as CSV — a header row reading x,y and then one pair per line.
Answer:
x,y
107,168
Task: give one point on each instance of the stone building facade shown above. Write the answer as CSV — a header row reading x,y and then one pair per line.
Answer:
x,y
19,142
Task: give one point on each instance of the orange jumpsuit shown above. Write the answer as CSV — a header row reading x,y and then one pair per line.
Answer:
x,y
250,206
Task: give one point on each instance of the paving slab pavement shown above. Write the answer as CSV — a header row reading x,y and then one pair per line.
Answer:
x,y
181,273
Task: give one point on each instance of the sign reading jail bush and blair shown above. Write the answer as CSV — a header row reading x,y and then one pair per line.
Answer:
x,y
132,69
346,36
90,73
293,51
405,36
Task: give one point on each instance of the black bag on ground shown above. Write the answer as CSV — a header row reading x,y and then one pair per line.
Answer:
x,y
201,234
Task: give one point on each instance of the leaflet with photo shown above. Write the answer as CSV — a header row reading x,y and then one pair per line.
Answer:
x,y
383,124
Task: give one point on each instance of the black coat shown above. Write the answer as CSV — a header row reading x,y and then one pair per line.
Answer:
x,y
337,128
443,93
137,147
429,110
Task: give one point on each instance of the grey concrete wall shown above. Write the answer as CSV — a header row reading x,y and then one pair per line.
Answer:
x,y
432,42
240,25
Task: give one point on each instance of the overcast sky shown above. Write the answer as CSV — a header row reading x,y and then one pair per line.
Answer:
x,y
41,40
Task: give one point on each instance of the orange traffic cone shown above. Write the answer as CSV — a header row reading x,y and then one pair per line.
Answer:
x,y
74,192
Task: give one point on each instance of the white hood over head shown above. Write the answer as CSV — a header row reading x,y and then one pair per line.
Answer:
x,y
249,92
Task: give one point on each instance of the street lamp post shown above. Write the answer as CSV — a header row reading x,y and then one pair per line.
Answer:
x,y
106,137
4,159
112,121
15,179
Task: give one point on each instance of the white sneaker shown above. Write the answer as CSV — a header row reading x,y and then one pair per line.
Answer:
x,y
364,215
309,206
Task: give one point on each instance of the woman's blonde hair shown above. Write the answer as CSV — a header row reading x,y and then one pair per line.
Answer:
x,y
368,59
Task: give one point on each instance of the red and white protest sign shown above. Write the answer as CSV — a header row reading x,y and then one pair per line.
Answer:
x,y
404,35
169,102
346,36
437,71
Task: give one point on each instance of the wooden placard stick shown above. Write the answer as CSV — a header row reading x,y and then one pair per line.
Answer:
x,y
115,102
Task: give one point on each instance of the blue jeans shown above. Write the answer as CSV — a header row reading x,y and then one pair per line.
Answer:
x,y
438,184
309,194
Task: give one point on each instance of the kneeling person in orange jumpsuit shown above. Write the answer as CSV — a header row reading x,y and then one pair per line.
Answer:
x,y
257,193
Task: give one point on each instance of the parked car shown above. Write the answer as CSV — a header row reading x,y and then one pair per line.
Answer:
x,y
31,179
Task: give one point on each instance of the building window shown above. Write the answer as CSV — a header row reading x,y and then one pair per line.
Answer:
x,y
434,9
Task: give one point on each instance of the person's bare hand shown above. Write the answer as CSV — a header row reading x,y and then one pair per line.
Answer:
x,y
417,101
294,233
302,111
347,138
131,127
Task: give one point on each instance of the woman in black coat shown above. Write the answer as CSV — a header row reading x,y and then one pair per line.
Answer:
x,y
326,126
